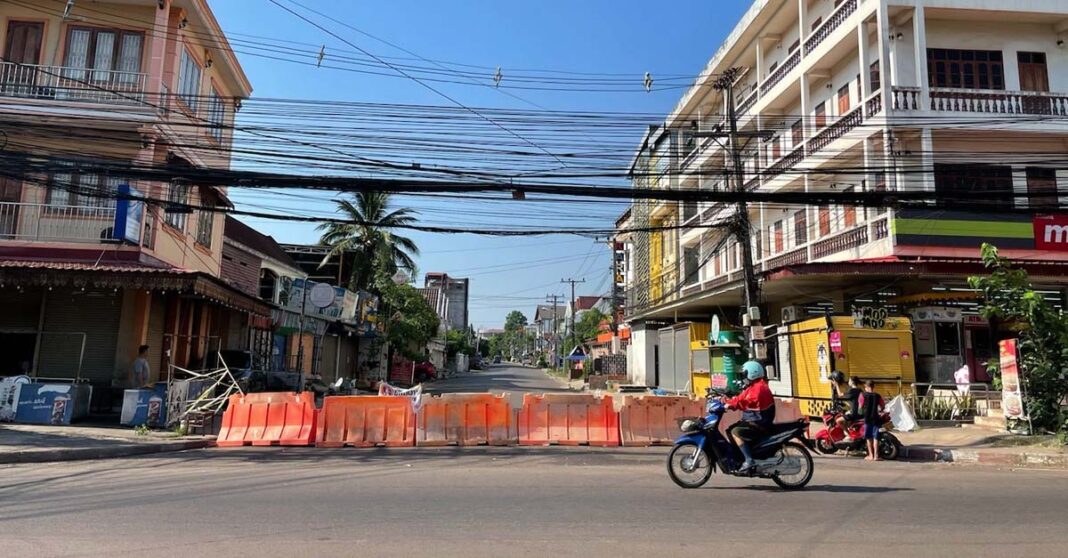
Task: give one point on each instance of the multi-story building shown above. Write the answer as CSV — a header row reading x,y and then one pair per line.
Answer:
x,y
87,278
456,291
961,97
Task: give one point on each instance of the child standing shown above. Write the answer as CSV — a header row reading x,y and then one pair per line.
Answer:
x,y
871,407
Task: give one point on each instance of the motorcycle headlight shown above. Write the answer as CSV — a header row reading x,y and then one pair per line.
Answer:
x,y
688,425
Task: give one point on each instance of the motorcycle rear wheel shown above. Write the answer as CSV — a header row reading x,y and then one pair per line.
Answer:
x,y
889,446
825,446
686,470
799,480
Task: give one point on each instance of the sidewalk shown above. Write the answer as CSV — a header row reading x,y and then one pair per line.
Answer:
x,y
28,443
975,445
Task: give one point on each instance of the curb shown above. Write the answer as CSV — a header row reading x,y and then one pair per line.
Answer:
x,y
1000,458
80,454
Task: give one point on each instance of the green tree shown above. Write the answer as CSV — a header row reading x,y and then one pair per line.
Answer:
x,y
588,326
411,322
1009,298
368,236
458,342
514,320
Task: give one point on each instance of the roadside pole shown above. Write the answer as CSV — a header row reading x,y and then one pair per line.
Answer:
x,y
573,310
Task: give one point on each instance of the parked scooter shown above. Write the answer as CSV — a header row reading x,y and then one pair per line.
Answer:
x,y
834,438
781,456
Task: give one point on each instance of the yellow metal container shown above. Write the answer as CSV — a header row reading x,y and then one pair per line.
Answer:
x,y
881,354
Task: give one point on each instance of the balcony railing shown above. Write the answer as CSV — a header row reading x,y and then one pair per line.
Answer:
x,y
775,77
787,162
59,223
795,257
998,102
880,229
747,103
839,128
905,98
874,105
850,239
833,22
58,83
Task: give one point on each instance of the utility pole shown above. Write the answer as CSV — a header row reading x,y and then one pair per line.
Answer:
x,y
553,350
740,224
573,281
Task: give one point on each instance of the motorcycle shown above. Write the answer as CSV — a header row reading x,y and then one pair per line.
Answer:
x,y
834,438
702,448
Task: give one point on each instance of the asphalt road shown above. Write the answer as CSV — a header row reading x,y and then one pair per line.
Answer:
x,y
498,378
304,502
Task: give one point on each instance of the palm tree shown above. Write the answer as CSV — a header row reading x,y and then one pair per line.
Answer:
x,y
368,235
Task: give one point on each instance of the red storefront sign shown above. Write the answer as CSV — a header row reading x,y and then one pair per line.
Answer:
x,y
1051,232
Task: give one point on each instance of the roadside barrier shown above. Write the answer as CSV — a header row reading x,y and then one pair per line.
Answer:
x,y
264,419
568,419
649,420
465,419
366,421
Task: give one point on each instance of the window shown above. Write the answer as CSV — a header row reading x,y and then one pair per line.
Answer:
x,y
178,197
798,133
1041,188
965,69
1034,76
816,24
849,213
821,115
991,183
216,115
103,56
825,221
777,237
189,81
81,190
794,46
690,265
205,227
843,100
876,77
776,148
800,228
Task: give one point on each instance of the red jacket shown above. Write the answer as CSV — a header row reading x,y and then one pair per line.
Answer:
x,y
756,397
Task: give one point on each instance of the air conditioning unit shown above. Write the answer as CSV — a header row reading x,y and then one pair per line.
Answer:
x,y
791,314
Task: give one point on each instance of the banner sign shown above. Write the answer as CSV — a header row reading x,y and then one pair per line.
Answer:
x,y
1012,391
129,215
402,371
9,396
1051,232
415,394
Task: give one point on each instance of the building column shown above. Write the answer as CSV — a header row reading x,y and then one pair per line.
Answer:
x,y
919,31
802,18
133,330
926,178
882,24
865,75
158,50
806,125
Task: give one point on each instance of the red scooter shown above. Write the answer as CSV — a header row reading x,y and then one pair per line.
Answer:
x,y
834,438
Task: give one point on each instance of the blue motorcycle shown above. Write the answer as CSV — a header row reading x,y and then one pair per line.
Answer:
x,y
781,456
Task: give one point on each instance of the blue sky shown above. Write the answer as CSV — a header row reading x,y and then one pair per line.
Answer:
x,y
609,36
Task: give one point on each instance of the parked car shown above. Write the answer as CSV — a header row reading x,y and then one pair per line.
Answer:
x,y
247,370
497,359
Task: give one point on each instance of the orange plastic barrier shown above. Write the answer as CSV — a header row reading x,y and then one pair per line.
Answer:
x,y
465,419
264,419
567,419
649,420
786,410
366,421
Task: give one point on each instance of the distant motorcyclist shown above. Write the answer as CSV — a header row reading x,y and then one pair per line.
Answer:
x,y
757,404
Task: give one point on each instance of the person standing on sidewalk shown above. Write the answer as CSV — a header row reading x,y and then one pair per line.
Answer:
x,y
141,370
871,408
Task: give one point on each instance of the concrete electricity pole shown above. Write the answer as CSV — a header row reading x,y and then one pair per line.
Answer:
x,y
573,281
740,225
553,351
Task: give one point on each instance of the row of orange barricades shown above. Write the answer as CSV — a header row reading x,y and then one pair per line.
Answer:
x,y
464,420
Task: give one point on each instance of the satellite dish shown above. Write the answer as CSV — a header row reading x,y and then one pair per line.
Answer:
x,y
321,295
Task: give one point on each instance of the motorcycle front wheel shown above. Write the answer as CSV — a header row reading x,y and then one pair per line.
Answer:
x,y
825,446
689,466
795,481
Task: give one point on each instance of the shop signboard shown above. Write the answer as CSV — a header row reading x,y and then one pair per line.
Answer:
x,y
836,341
129,214
1012,390
10,388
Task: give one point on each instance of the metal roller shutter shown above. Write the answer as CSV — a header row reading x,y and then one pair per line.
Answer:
x,y
94,313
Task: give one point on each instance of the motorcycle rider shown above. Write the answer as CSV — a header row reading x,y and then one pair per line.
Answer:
x,y
850,396
757,404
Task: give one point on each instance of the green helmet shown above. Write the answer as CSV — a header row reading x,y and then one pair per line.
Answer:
x,y
753,370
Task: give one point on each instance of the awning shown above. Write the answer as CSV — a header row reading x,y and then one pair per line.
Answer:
x,y
925,298
129,276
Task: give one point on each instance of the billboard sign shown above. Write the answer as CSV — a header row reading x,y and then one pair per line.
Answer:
x,y
1012,391
129,215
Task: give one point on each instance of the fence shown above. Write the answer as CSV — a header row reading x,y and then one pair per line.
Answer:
x,y
952,401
